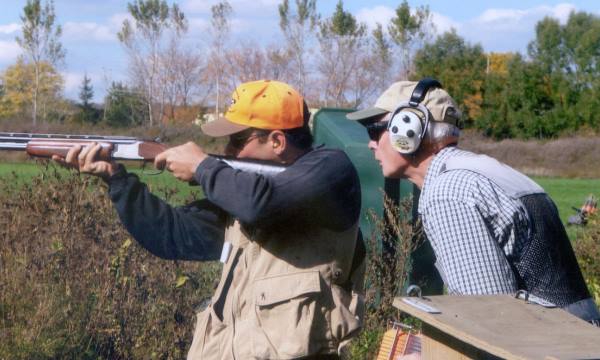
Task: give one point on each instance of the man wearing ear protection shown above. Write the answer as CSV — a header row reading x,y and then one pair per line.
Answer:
x,y
293,271
493,230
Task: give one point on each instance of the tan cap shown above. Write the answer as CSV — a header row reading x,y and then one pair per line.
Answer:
x,y
439,103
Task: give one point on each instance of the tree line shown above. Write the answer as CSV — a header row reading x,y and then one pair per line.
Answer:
x,y
334,61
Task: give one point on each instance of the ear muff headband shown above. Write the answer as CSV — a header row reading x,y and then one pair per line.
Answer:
x,y
406,129
421,90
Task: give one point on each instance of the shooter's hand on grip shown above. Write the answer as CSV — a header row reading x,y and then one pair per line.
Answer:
x,y
84,160
181,160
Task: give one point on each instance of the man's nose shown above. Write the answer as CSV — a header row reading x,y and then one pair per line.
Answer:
x,y
372,145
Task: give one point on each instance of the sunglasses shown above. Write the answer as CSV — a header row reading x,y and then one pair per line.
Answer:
x,y
238,141
376,129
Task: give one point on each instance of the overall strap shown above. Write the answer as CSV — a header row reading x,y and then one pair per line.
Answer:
x,y
515,184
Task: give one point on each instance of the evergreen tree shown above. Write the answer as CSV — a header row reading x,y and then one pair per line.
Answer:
x,y
87,114
124,107
86,91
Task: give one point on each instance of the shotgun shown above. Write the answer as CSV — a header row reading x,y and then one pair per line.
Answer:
x,y
114,148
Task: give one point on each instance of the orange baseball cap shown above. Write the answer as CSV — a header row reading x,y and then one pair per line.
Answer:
x,y
263,104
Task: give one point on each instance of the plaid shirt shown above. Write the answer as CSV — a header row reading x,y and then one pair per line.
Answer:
x,y
473,227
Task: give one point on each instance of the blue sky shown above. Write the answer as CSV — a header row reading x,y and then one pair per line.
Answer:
x,y
92,47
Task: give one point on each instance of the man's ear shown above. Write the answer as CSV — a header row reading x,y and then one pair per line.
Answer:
x,y
278,141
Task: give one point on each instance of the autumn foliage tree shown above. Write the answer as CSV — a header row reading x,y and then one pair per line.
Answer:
x,y
555,90
25,83
40,41
459,66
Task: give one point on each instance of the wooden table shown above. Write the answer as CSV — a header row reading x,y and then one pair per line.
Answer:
x,y
501,326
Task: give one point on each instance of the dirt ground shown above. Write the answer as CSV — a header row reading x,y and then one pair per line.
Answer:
x,y
569,157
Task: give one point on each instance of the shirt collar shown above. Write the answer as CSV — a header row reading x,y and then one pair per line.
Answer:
x,y
436,167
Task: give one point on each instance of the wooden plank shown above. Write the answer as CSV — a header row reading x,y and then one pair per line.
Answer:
x,y
439,345
510,328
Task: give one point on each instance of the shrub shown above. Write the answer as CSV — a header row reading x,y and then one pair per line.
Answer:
x,y
74,285
587,249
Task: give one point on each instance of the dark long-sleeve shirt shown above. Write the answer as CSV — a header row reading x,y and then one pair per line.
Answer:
x,y
321,188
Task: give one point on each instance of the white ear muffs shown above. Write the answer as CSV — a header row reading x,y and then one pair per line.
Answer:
x,y
405,132
406,128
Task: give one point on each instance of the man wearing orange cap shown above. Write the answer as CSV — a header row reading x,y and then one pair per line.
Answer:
x,y
293,262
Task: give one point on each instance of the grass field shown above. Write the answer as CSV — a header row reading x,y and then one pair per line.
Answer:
x,y
161,184
567,193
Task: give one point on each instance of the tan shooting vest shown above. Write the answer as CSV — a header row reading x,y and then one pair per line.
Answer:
x,y
282,295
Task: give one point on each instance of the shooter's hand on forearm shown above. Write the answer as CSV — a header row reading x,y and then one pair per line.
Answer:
x,y
181,160
84,160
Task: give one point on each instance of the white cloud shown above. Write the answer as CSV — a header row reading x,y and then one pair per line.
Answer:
x,y
9,51
116,21
244,26
196,6
562,12
510,29
96,31
239,6
88,31
72,82
198,24
443,23
500,15
10,28
519,19
251,19
377,14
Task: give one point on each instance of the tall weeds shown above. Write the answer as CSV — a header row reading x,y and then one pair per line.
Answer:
x,y
389,247
74,285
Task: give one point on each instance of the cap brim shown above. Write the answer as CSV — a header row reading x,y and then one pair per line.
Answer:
x,y
222,127
365,114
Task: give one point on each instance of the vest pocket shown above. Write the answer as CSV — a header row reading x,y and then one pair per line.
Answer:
x,y
346,315
286,308
208,336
